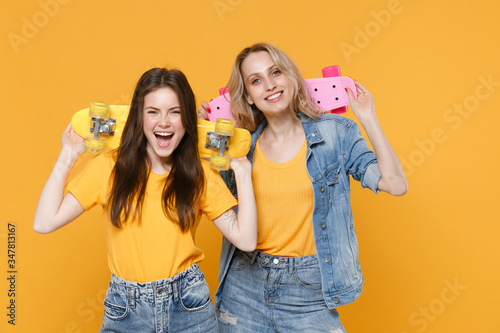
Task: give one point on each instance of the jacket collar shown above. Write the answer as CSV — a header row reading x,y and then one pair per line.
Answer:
x,y
313,136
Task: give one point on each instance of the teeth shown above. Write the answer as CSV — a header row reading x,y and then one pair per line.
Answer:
x,y
164,134
274,96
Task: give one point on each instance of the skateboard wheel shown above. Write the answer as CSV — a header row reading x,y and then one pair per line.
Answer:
x,y
95,146
219,162
331,71
224,127
99,109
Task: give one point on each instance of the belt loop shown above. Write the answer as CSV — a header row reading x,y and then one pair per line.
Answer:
x,y
175,286
290,265
131,296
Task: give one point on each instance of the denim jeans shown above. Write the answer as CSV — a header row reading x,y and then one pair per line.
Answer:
x,y
264,293
178,304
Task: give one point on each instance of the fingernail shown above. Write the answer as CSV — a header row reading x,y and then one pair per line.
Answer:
x,y
209,110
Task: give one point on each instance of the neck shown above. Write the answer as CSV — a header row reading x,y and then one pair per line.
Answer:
x,y
281,127
158,165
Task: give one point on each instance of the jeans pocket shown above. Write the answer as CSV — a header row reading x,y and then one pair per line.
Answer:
x,y
115,306
308,277
195,297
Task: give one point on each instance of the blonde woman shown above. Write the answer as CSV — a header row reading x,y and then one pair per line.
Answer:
x,y
306,263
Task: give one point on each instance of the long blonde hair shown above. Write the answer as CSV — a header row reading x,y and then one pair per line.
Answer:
x,y
249,116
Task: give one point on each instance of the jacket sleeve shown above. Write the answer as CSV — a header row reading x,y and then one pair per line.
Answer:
x,y
361,161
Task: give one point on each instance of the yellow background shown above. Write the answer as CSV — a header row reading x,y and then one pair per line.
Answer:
x,y
430,258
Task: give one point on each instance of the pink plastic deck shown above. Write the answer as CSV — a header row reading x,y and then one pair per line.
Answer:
x,y
328,93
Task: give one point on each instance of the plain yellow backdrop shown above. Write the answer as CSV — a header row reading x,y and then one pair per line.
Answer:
x,y
430,258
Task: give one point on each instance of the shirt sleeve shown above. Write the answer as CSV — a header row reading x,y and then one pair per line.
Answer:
x,y
217,198
90,187
361,160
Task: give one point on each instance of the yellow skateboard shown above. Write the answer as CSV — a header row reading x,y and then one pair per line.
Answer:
x,y
221,141
102,125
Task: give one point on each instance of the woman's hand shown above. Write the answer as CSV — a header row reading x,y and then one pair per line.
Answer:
x,y
364,106
204,110
72,142
241,166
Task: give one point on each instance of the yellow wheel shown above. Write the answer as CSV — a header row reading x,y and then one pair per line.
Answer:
x,y
224,127
99,109
219,162
93,145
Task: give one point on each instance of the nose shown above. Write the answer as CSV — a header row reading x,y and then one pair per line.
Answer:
x,y
164,120
269,84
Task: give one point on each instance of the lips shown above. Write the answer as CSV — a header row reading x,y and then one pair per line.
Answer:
x,y
163,139
274,96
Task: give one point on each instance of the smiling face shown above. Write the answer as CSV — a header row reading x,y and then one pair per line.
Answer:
x,y
162,126
267,87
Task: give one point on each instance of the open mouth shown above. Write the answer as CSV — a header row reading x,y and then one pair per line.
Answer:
x,y
163,139
274,96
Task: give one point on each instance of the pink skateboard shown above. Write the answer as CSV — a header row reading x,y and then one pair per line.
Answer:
x,y
328,93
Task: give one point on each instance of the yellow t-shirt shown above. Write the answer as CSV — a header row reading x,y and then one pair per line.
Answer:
x,y
285,203
156,248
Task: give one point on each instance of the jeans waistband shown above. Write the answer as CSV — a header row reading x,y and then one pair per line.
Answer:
x,y
162,287
267,260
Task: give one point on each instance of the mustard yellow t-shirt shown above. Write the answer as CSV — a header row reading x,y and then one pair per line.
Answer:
x,y
156,248
285,203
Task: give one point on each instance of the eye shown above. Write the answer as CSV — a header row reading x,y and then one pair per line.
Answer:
x,y
254,81
276,72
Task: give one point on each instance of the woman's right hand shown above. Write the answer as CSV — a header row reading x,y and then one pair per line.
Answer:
x,y
72,141
204,110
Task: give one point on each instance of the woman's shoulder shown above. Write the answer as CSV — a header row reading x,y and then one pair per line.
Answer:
x,y
205,165
104,161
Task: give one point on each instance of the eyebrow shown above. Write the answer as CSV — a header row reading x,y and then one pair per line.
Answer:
x,y
155,108
265,70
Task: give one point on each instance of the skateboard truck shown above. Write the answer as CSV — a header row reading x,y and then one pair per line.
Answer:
x,y
219,140
101,124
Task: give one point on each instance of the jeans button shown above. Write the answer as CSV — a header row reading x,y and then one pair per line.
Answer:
x,y
327,259
336,300
266,260
276,261
323,225
322,189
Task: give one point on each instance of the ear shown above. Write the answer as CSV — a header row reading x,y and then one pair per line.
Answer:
x,y
249,100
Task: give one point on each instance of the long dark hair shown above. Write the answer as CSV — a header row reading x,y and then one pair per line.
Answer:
x,y
185,181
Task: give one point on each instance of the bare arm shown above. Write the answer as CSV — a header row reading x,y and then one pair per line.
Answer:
x,y
393,179
55,209
241,229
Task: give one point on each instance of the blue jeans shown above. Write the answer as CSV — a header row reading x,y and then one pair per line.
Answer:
x,y
178,304
264,293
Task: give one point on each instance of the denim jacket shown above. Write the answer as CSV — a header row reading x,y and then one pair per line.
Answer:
x,y
335,150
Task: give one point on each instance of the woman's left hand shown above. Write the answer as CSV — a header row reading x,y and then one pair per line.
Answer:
x,y
241,165
364,106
